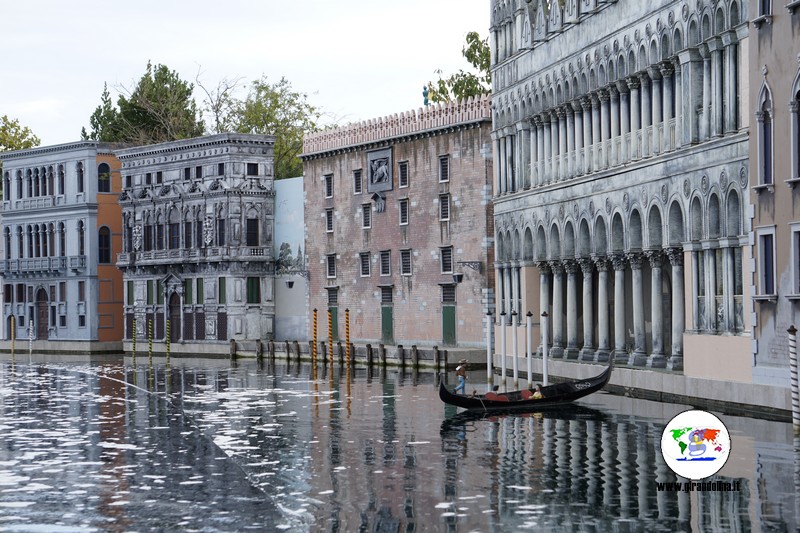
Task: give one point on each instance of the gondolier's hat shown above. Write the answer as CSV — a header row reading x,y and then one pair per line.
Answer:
x,y
463,361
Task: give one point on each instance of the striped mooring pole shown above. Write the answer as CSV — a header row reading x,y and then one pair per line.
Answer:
x,y
133,344
347,335
150,339
314,345
330,336
168,342
793,377
13,334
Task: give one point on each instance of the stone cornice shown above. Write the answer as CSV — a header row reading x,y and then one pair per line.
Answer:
x,y
101,148
196,143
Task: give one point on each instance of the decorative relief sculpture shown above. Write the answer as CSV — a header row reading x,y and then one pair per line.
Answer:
x,y
208,231
379,165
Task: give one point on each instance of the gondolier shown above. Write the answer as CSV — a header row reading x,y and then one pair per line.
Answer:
x,y
461,374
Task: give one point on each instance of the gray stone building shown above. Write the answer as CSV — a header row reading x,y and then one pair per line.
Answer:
x,y
197,222
621,145
396,210
61,230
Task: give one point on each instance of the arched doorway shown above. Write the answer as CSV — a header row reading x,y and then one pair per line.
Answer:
x,y
174,317
41,315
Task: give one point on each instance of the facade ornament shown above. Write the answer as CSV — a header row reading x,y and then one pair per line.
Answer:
x,y
687,188
575,210
671,18
591,208
764,70
704,184
723,180
644,197
601,263
208,231
664,193
587,265
619,261
655,257
648,31
675,256
636,259
608,205
659,25
743,177
685,12
561,212
137,237
544,267
626,202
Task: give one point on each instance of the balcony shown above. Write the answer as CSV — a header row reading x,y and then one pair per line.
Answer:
x,y
37,265
195,255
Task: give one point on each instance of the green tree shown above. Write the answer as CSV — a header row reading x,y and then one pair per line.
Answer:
x,y
160,108
14,136
463,84
277,109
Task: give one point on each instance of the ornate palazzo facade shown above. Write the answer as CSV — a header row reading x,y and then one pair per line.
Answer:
x,y
621,173
198,217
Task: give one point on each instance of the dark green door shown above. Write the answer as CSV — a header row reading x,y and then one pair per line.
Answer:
x,y
335,322
387,329
449,324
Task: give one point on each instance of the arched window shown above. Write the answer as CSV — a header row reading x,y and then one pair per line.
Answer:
x,y
794,109
62,239
764,116
30,240
50,181
81,238
51,238
103,178
79,169
6,186
7,239
104,246
61,179
29,182
19,184
20,243
44,235
36,182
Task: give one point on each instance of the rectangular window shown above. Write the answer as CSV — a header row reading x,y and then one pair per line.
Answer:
x,y
130,292
357,185
187,234
766,261
220,232
198,172
149,292
53,294
188,296
8,293
159,177
328,185
444,168
363,259
795,259
447,259
200,291
62,321
448,294
20,293
252,232
386,295
174,236
329,220
220,169
128,182
159,292
148,179
405,262
404,212
330,261
81,291
187,173
82,321
366,216
386,263
159,237
254,290
333,297
62,291
403,171
252,169
221,296
444,207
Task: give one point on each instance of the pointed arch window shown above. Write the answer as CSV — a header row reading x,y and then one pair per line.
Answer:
x,y
764,131
62,239
6,185
81,238
103,178
7,239
19,184
104,245
79,169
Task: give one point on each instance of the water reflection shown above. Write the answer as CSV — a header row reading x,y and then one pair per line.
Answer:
x,y
206,445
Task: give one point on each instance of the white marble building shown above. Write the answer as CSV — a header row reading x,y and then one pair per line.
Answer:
x,y
621,206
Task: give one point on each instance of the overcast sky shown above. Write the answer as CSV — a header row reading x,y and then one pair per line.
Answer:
x,y
356,59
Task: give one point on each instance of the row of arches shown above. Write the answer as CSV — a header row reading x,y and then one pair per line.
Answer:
x,y
51,180
50,240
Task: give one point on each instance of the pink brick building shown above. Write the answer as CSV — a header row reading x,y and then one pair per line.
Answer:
x,y
397,210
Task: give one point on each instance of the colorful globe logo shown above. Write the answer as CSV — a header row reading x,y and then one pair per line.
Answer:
x,y
695,444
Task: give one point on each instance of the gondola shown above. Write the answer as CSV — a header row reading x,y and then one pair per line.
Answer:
x,y
521,400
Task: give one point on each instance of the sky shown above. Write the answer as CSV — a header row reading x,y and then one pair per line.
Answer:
x,y
355,59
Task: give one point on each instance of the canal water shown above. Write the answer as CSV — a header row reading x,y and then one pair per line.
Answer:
x,y
204,445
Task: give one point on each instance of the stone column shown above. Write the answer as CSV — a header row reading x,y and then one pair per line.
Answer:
x,y
524,137
691,93
586,105
656,102
639,355
514,269
596,132
501,162
578,143
677,111
510,294
635,106
533,155
678,298
558,310
715,49
572,310
614,95
544,292
656,359
605,126
511,177
547,154
728,289
711,289
570,157
666,91
705,130
554,133
587,352
562,142
499,304
603,345
541,154
620,352
646,116
732,82
496,166
624,121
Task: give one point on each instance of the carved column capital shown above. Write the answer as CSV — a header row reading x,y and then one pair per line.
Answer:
x,y
655,257
635,259
601,263
667,69
544,267
571,266
619,262
675,256
587,266
633,82
557,267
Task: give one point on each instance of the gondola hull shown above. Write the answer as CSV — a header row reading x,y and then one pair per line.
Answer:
x,y
554,395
